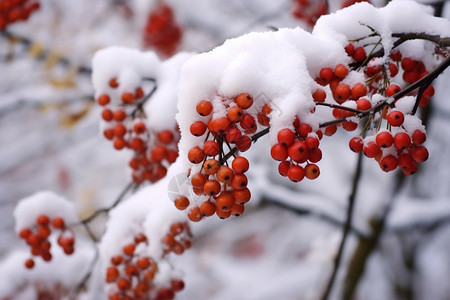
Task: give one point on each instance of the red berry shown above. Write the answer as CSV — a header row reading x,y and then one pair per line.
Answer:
x,y
392,89
29,263
225,201
304,129
103,99
388,163
419,154
139,128
243,143
396,118
296,173
195,214
319,95
242,196
239,181
402,140
233,134
408,64
235,114
198,128
326,75
371,149
204,108
363,104
340,71
286,137
350,49
279,152
298,151
358,90
418,137
359,55
356,144
244,100
342,93
384,139
211,148
43,220
181,203
312,171
240,165
196,155
283,168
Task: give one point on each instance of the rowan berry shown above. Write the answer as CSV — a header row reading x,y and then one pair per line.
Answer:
x,y
233,134
129,249
350,49
211,187
119,115
298,151
177,285
139,128
296,173
198,128
286,137
356,144
116,260
127,98
109,133
123,284
312,171
211,166
340,71
358,90
363,104
393,69
326,75
112,274
359,55
283,168
395,118
198,180
103,100
237,209
312,142
279,152
304,129
220,125
25,233
384,139
371,149
195,215
235,114
392,89
319,95
418,137
239,181
223,214
204,108
396,55
243,143
196,155
402,140
408,64
342,93
242,196
113,83
244,100
419,154
315,155
388,163
29,263
240,165
224,174
107,115
263,119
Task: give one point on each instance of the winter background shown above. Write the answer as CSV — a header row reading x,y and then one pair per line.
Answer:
x,y
51,140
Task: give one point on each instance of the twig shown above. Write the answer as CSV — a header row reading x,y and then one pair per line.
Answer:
x,y
254,138
115,203
45,53
347,227
148,96
312,213
81,285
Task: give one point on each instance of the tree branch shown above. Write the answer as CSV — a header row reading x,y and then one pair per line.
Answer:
x,y
347,227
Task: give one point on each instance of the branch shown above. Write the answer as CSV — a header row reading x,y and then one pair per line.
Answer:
x,y
254,138
115,203
347,227
304,211
45,53
74,294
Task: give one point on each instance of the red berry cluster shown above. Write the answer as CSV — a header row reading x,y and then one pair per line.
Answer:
x,y
178,239
126,128
402,149
399,145
222,186
309,11
161,31
296,148
12,11
37,237
133,274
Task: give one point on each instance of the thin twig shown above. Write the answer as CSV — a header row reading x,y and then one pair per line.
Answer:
x,y
254,138
86,277
115,203
347,227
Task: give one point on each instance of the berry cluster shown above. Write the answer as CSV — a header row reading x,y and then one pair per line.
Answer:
x,y
309,11
126,128
296,148
37,237
161,31
132,274
398,145
222,187
12,11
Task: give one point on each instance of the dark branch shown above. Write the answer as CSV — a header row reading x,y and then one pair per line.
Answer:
x,y
254,138
347,226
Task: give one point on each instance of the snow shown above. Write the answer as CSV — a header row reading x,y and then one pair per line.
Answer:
x,y
43,203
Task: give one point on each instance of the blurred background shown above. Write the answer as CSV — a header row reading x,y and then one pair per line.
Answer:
x,y
283,247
